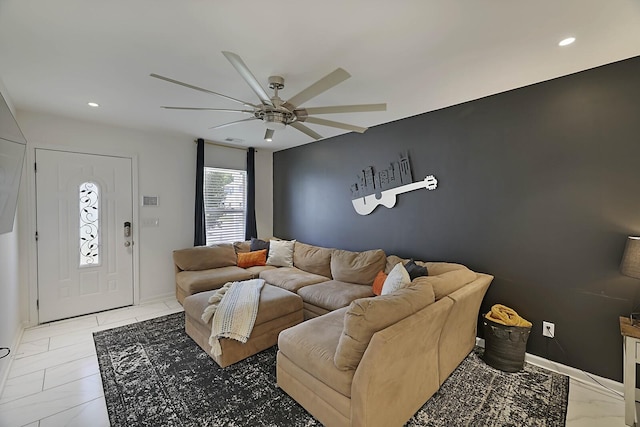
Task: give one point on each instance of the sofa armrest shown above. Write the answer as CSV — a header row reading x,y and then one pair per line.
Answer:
x,y
460,331
399,369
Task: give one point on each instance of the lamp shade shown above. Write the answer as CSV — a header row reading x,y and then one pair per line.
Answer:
x,y
630,265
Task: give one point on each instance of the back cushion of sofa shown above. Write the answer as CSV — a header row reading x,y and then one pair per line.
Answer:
x,y
205,257
357,267
392,261
242,247
437,268
366,316
312,259
446,283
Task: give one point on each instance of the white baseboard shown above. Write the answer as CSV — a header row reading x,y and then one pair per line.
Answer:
x,y
159,298
573,373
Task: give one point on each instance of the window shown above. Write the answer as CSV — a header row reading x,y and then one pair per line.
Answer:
x,y
225,198
89,195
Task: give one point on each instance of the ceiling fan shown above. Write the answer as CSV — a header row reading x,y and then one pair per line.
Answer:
x,y
278,114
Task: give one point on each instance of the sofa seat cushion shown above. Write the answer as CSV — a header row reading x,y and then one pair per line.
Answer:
x,y
357,267
192,282
311,345
257,269
205,257
313,259
366,316
333,294
274,303
291,278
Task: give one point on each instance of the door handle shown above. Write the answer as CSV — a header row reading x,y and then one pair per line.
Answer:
x,y
127,243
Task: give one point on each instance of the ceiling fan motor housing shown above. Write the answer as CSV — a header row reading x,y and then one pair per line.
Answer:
x,y
276,120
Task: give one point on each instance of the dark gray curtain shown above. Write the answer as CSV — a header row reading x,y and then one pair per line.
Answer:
x,y
251,229
199,234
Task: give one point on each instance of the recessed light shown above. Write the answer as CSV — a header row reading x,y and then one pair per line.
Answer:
x,y
93,104
567,41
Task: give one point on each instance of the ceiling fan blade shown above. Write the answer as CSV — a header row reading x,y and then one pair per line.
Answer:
x,y
322,85
362,108
207,109
302,128
233,123
167,79
333,124
248,77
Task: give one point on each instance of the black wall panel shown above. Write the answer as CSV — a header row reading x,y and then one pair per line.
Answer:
x,y
538,186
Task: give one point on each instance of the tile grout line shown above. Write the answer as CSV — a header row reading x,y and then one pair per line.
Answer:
x,y
68,409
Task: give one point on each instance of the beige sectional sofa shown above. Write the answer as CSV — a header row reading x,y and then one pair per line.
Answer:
x,y
359,359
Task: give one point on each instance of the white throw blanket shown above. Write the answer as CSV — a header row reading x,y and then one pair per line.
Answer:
x,y
234,308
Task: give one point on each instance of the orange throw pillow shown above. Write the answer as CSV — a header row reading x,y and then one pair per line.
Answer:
x,y
251,259
378,282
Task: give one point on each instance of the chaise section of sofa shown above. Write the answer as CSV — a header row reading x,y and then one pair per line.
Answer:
x,y
203,268
377,361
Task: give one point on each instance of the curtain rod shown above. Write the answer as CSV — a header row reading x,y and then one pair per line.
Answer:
x,y
221,145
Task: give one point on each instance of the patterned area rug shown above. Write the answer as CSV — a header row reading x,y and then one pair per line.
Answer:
x,y
153,374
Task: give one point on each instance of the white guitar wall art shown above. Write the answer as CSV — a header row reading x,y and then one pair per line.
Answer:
x,y
382,188
365,205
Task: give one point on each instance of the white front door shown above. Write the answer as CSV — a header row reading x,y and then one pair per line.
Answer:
x,y
85,261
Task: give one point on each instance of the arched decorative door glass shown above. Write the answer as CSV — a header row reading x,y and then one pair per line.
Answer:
x,y
89,196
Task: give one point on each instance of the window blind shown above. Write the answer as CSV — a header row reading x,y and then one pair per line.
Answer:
x,y
225,198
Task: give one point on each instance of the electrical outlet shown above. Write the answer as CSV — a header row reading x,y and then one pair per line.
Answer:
x,y
548,329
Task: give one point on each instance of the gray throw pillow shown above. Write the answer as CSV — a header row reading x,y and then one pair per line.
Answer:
x,y
258,245
415,270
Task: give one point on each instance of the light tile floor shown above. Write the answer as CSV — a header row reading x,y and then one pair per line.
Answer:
x,y
55,381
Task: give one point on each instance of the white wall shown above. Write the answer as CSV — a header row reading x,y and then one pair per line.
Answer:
x,y
10,316
166,168
264,193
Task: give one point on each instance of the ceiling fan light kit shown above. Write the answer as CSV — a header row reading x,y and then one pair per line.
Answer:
x,y
276,113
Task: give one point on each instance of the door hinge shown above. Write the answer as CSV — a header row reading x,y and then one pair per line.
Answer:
x,y
38,304
36,236
35,167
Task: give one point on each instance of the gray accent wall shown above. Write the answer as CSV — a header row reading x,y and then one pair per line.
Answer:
x,y
538,186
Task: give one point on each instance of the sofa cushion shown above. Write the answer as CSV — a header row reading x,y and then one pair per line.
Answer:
x,y
311,345
366,316
313,259
256,270
398,278
205,280
357,267
251,259
392,261
291,278
437,268
281,253
446,283
333,294
274,303
205,257
241,247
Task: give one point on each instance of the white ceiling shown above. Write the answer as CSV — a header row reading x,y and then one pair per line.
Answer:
x,y
416,55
